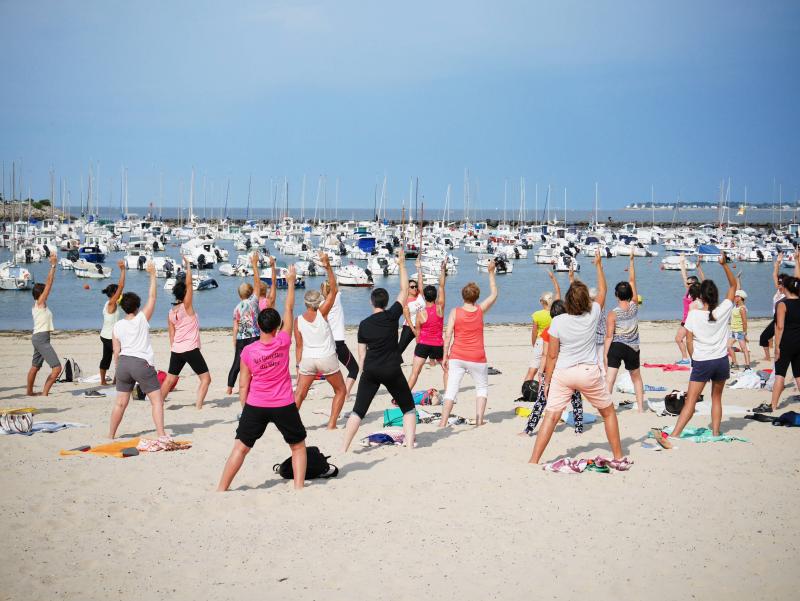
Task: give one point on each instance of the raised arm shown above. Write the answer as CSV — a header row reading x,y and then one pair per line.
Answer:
x,y
556,287
327,304
151,295
256,279
288,307
112,302
796,263
490,300
187,300
402,296
48,284
700,273
632,280
272,295
440,293
298,343
684,274
723,259
571,273
602,288
776,267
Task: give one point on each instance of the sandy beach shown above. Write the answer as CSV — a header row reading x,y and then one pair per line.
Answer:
x,y
463,516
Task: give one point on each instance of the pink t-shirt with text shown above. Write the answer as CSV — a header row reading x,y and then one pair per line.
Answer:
x,y
268,362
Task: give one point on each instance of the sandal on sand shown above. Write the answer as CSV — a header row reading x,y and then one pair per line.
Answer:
x,y
661,438
763,408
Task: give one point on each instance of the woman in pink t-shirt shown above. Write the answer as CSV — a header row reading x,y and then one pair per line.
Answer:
x,y
265,390
429,328
184,339
464,351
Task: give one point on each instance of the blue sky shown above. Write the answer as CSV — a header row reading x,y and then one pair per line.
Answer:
x,y
678,94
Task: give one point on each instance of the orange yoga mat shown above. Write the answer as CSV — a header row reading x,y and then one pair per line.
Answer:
x,y
111,449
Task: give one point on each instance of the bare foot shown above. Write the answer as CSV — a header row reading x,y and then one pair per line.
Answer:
x,y
524,435
33,393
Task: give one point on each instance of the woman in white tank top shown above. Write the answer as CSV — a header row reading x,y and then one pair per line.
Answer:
x,y
315,347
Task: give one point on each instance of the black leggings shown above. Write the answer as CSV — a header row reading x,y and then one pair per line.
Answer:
x,y
346,358
233,374
108,353
406,336
395,382
767,334
789,355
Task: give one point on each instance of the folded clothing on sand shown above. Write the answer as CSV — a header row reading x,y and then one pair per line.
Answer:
x,y
567,465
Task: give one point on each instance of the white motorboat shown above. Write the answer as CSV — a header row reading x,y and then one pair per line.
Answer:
x,y
502,266
13,277
136,258
353,275
564,263
385,265
199,281
94,271
673,263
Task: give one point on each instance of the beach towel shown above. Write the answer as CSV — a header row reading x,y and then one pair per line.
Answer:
x,y
383,437
424,397
394,417
667,366
120,448
749,380
651,388
47,427
703,435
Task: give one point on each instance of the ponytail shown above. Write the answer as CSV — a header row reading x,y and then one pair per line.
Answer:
x,y
792,285
709,294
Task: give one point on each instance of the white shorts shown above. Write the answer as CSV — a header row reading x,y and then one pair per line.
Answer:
x,y
536,362
456,371
310,366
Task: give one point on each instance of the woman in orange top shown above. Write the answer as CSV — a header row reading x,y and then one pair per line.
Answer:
x,y
464,349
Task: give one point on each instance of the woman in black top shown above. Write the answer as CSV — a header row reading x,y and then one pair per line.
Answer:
x,y
380,359
787,341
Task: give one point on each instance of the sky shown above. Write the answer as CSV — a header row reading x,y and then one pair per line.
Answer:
x,y
677,95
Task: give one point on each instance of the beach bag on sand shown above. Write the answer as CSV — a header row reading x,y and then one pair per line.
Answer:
x,y
675,400
624,384
16,422
790,418
394,417
530,389
317,466
71,372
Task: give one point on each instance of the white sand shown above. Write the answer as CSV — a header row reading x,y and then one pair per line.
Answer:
x,y
464,516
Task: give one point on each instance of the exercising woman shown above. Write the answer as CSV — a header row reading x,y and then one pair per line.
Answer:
x,y
464,347
265,389
265,301
780,292
541,321
184,339
622,336
245,322
707,333
42,326
428,329
111,315
381,360
787,338
690,301
572,365
315,348
134,358
336,321
414,304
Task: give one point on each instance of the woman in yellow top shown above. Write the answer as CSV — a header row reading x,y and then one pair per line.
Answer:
x,y
541,321
739,328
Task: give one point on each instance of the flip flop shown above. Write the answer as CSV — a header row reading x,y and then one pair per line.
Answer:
x,y
660,438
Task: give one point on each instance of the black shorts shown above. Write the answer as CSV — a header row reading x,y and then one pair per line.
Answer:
x,y
712,370
619,353
254,422
428,351
788,356
193,357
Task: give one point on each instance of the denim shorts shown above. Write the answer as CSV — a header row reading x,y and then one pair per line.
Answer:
x,y
713,370
737,335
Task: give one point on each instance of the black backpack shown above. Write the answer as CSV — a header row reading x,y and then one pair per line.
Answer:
x,y
530,389
675,400
317,466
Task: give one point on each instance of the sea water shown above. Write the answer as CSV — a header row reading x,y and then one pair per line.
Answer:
x,y
75,308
